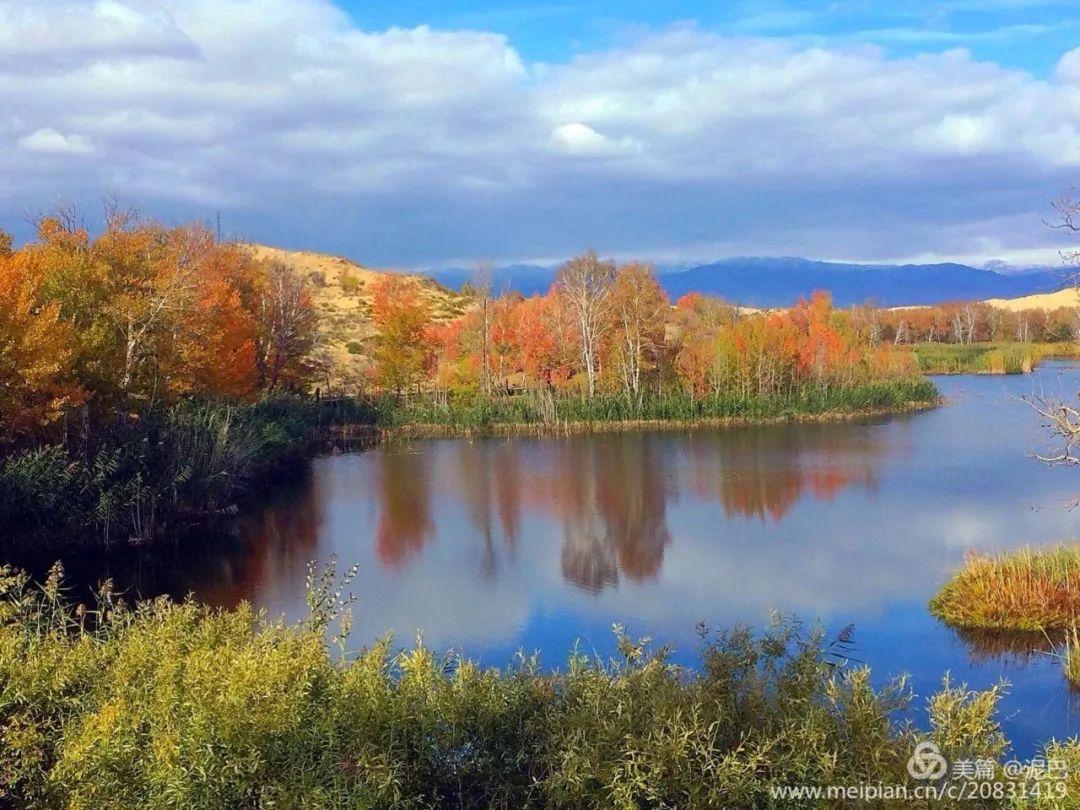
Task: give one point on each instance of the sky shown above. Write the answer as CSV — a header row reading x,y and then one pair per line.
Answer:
x,y
423,133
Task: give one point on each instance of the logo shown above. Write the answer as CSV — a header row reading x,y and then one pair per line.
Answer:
x,y
926,762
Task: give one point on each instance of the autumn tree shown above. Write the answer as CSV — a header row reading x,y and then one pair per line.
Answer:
x,y
584,284
401,317
35,351
640,308
481,286
217,349
285,324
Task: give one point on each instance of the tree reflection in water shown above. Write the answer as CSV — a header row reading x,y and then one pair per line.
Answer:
x,y
609,493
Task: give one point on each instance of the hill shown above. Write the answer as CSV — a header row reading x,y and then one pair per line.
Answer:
x,y
341,292
779,282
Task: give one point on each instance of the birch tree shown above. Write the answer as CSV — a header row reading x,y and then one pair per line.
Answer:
x,y
640,308
584,283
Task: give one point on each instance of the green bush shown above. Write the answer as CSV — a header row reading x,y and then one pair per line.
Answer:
x,y
168,705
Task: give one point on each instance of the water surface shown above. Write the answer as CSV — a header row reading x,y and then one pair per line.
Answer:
x,y
491,545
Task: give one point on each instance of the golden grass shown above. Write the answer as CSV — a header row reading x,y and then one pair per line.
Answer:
x,y
1028,589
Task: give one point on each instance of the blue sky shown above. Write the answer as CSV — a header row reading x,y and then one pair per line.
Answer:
x,y
422,133
1026,34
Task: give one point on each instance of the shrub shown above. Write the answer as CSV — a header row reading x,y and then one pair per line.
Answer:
x,y
168,705
350,284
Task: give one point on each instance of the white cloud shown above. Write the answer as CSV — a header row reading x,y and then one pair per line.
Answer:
x,y
49,141
309,130
580,139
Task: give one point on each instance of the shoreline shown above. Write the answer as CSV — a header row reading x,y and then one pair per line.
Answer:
x,y
377,433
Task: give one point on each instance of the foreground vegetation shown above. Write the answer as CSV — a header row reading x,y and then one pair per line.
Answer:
x,y
1028,589
169,705
989,358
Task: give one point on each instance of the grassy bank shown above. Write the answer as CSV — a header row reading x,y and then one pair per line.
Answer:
x,y
989,358
541,410
1029,589
137,479
181,706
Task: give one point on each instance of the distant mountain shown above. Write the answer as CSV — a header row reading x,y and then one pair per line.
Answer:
x,y
527,279
778,282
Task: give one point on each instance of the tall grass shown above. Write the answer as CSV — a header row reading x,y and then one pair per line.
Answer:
x,y
1072,656
543,407
142,478
1029,589
173,705
988,358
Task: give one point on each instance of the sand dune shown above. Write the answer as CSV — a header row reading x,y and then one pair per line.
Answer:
x,y
1069,297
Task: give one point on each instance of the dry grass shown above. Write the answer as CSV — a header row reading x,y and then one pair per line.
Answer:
x,y
1029,589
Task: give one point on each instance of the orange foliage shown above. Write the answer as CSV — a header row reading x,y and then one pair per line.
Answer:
x,y
141,313
36,384
402,318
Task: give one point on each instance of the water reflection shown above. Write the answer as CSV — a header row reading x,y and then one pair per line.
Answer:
x,y
1015,647
609,494
404,496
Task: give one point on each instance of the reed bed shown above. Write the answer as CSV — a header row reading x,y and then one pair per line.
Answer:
x,y
989,358
543,412
1029,589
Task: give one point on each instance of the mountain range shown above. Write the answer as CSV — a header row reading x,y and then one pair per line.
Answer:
x,y
779,282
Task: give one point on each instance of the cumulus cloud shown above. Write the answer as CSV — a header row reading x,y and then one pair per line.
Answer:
x,y
418,146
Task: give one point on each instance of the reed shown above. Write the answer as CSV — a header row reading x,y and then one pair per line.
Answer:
x,y
1072,656
989,358
138,479
422,414
1029,589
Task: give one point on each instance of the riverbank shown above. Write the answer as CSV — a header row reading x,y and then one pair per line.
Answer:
x,y
183,705
442,431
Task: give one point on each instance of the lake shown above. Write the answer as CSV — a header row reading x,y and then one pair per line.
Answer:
x,y
493,545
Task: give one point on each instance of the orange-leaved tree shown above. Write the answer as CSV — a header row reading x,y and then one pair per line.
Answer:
x,y
403,346
36,381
